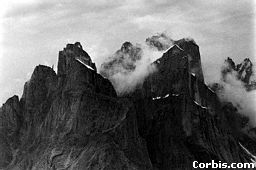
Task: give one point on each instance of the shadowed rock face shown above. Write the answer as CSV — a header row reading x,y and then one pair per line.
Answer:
x,y
71,120
74,119
181,118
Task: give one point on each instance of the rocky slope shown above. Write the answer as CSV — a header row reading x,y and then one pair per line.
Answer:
x,y
74,120
180,117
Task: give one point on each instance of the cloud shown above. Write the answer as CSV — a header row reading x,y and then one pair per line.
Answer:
x,y
233,90
161,41
33,31
128,67
125,83
234,87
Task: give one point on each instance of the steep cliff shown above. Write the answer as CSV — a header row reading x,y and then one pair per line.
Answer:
x,y
71,120
180,117
75,120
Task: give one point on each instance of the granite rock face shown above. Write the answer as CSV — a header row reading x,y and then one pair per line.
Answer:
x,y
10,123
74,120
70,120
181,118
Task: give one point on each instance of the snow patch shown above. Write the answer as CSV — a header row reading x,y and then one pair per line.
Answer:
x,y
249,153
179,47
175,94
210,89
156,98
203,107
85,64
167,95
172,47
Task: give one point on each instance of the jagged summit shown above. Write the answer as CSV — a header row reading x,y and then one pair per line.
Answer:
x,y
74,120
124,60
70,54
244,70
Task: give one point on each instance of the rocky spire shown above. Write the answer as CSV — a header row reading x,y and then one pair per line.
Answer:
x,y
243,70
71,53
74,120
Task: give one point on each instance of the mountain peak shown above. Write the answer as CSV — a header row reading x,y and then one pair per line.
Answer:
x,y
244,70
74,119
191,51
71,53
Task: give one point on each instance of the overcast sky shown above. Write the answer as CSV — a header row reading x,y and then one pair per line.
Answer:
x,y
33,31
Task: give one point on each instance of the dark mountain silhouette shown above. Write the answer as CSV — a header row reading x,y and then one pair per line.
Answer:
x,y
73,119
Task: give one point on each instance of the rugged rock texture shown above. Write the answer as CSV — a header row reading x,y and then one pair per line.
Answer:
x,y
181,118
10,123
239,123
243,71
71,120
74,119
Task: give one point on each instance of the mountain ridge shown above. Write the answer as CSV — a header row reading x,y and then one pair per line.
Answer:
x,y
73,119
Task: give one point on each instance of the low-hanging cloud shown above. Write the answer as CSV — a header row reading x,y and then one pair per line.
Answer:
x,y
129,66
234,90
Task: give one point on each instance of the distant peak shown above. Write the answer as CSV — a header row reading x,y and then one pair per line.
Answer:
x,y
244,70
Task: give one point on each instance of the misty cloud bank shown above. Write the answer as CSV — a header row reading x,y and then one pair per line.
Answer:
x,y
233,88
129,66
